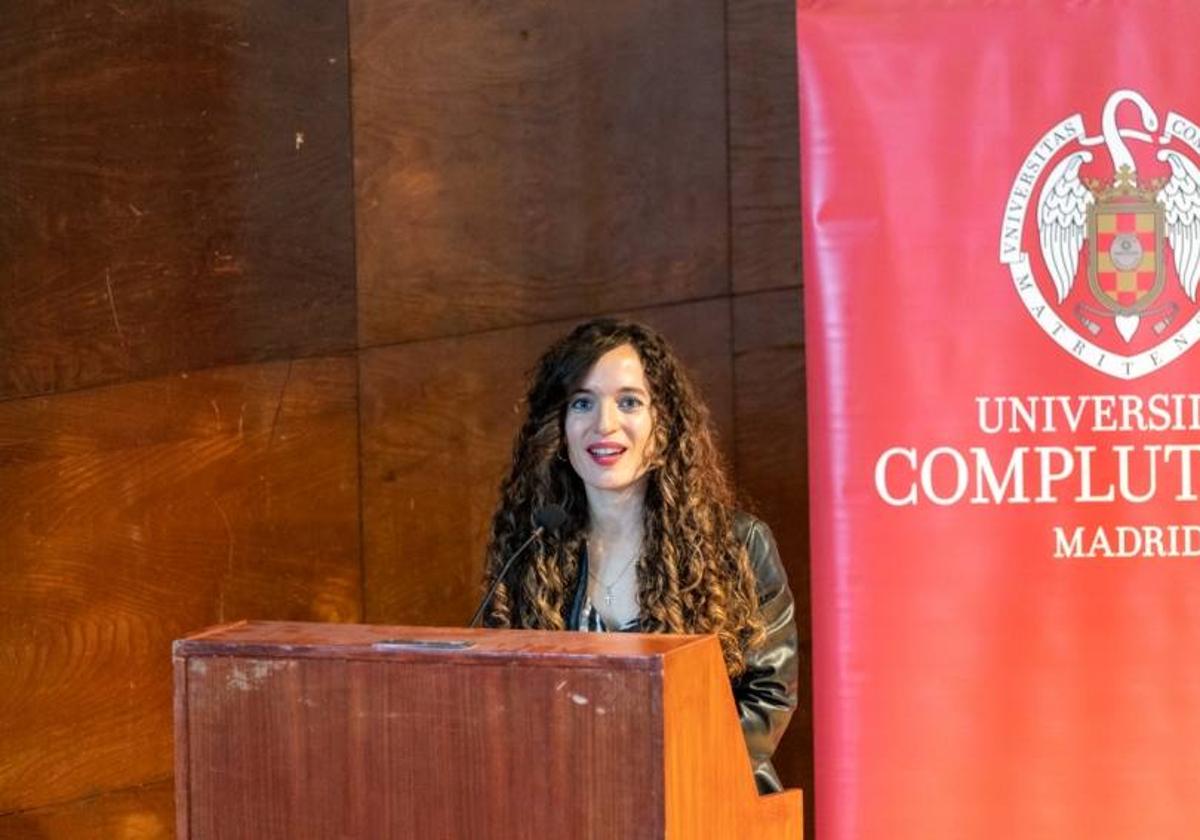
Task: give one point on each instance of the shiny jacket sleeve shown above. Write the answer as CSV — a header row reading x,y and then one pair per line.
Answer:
x,y
766,692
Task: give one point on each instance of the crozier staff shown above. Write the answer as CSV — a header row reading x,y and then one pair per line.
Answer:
x,y
616,434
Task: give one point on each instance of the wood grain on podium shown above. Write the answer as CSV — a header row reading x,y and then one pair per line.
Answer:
x,y
331,742
706,758
313,731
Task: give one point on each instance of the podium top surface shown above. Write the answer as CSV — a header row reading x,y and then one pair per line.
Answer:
x,y
291,639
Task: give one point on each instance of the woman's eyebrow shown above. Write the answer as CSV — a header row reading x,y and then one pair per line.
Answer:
x,y
628,389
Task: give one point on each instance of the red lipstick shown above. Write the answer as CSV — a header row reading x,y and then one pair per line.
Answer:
x,y
605,454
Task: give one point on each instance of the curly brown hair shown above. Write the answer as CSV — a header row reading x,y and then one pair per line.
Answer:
x,y
694,575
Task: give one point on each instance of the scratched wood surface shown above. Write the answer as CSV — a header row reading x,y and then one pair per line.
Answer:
x,y
132,514
768,330
438,420
321,748
764,168
305,731
527,161
175,188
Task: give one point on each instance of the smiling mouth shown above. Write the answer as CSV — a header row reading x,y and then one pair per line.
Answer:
x,y
605,455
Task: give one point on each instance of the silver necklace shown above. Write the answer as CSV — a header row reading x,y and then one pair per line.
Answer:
x,y
608,587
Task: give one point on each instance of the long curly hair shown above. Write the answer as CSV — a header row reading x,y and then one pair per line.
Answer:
x,y
694,575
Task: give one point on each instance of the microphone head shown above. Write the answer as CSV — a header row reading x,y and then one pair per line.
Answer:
x,y
550,517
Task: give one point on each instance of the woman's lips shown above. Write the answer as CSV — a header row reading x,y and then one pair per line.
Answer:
x,y
605,454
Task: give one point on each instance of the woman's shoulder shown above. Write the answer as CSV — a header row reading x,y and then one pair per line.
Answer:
x,y
760,545
749,529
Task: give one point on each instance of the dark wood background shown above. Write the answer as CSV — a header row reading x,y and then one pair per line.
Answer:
x,y
271,276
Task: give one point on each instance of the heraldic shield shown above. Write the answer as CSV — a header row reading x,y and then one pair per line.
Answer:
x,y
1139,223
1125,239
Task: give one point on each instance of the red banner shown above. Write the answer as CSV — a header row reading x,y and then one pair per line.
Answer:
x,y
1002,253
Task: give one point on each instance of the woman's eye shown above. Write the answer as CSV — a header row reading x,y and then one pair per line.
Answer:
x,y
581,404
629,403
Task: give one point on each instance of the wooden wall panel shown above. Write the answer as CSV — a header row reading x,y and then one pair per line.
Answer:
x,y
518,162
772,458
771,417
175,194
175,188
764,167
764,218
142,813
132,514
438,419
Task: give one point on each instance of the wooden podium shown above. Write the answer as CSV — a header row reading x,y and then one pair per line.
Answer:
x,y
289,730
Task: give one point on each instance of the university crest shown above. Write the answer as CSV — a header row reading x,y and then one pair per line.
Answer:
x,y
1104,246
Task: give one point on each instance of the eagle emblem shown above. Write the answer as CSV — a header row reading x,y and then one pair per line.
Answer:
x,y
1110,263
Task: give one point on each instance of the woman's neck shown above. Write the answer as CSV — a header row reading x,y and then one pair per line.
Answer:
x,y
615,518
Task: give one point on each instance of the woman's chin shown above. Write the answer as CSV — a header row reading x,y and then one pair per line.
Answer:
x,y
613,484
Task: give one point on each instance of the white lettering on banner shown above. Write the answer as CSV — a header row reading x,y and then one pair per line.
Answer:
x,y
1022,191
944,475
1047,414
1186,131
1096,357
1045,473
881,470
1127,541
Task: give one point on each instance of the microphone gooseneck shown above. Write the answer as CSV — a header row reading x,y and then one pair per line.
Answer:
x,y
548,518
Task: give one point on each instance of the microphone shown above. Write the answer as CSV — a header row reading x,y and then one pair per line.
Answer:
x,y
547,518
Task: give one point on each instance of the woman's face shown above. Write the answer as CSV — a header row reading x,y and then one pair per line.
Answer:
x,y
610,423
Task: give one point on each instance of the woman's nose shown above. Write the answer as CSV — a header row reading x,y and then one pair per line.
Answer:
x,y
606,419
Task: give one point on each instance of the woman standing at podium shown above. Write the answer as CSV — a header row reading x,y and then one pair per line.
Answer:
x,y
616,434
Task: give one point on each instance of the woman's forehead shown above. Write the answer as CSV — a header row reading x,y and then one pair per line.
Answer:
x,y
619,369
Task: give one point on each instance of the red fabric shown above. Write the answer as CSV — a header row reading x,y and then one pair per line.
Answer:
x,y
969,683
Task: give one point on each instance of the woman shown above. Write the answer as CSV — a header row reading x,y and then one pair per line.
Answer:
x,y
616,434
